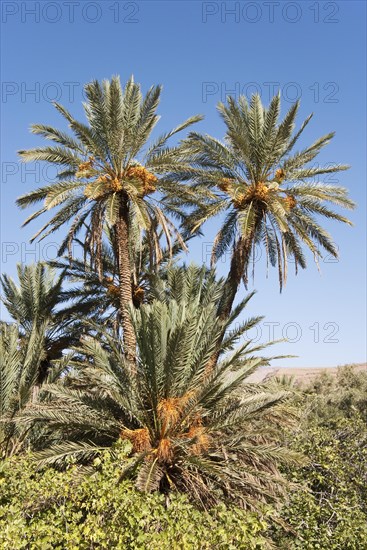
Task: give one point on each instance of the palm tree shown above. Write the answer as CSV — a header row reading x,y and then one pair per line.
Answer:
x,y
38,304
107,176
20,364
267,191
205,433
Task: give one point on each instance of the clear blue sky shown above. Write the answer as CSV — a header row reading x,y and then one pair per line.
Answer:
x,y
200,51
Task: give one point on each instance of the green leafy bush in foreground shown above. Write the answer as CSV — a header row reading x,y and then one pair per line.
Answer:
x,y
57,510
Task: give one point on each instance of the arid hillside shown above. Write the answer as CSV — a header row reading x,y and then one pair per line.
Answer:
x,y
302,375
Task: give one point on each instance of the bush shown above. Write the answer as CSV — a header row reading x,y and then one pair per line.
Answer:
x,y
329,509
57,510
340,396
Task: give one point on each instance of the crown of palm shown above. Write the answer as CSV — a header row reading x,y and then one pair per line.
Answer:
x,y
40,301
37,298
270,194
99,166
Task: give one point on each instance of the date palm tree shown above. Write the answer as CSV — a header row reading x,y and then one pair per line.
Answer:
x,y
270,194
20,364
205,433
109,175
39,303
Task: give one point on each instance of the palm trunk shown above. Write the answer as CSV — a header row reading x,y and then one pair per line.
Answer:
x,y
125,296
240,258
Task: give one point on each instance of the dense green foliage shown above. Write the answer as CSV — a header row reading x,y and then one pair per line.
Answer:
x,y
58,510
329,510
334,513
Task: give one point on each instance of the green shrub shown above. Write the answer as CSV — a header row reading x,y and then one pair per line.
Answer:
x,y
57,510
340,396
329,509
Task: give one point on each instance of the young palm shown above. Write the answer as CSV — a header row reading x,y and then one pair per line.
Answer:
x,y
268,192
205,433
107,176
39,302
20,364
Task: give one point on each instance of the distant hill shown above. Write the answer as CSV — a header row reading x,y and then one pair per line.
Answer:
x,y
302,375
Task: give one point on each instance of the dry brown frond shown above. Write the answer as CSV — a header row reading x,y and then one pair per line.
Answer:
x,y
113,290
164,450
290,202
201,439
138,295
225,184
140,439
279,175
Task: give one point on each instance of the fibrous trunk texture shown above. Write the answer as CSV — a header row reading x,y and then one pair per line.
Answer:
x,y
125,278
